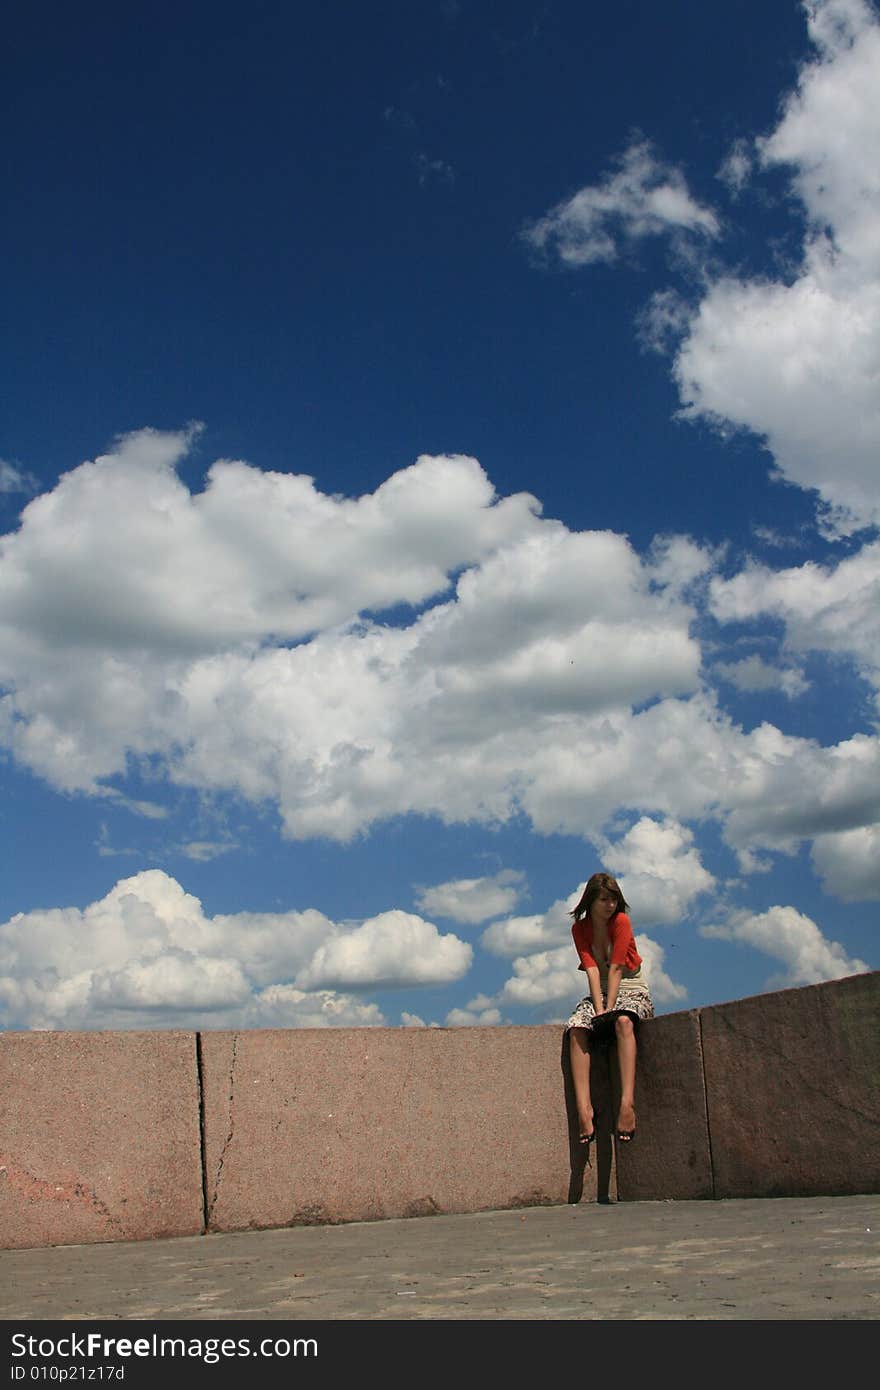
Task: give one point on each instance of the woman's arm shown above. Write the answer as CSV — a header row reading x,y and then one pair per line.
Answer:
x,y
615,974
595,988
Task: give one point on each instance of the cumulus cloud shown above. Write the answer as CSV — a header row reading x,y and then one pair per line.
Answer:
x,y
659,870
121,556
180,602
797,360
284,1006
478,1013
394,949
752,674
664,990
793,938
806,790
473,900
828,608
544,977
645,197
849,863
147,956
516,936
489,697
677,563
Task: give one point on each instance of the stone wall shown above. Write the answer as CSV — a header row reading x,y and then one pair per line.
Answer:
x,y
132,1136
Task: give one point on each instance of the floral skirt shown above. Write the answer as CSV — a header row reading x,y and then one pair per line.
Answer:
x,y
632,999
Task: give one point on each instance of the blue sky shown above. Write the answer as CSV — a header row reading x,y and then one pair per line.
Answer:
x,y
438,460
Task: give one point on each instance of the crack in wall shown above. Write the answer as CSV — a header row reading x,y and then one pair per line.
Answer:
x,y
211,1204
203,1154
702,1058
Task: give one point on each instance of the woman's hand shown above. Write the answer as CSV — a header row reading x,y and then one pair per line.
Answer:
x,y
615,975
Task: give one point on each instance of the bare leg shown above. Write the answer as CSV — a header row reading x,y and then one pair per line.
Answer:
x,y
626,1061
579,1052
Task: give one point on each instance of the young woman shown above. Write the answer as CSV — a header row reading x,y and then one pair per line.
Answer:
x,y
618,999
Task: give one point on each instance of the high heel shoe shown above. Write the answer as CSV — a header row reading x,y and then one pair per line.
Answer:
x,y
626,1136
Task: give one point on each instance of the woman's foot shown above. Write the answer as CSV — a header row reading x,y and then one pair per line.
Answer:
x,y
586,1130
626,1123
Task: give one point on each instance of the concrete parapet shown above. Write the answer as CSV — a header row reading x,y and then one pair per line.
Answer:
x,y
127,1136
99,1137
791,1081
670,1156
318,1126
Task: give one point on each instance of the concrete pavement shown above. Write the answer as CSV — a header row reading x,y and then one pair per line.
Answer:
x,y
760,1258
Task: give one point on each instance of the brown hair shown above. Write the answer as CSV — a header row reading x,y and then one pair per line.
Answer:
x,y
597,884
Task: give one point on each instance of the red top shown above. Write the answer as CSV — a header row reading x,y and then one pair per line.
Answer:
x,y
620,937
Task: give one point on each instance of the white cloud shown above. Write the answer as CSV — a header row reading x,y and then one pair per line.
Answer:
x,y
283,1006
768,536
663,321
677,563
790,789
664,990
204,850
147,956
849,863
14,479
150,810
797,360
644,198
824,608
393,949
473,900
736,167
359,721
793,938
754,674
121,557
516,936
659,870
471,709
478,1013
544,977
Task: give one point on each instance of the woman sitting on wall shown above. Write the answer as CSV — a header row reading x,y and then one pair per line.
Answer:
x,y
618,999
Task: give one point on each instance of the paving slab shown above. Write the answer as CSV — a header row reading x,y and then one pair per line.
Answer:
x,y
768,1259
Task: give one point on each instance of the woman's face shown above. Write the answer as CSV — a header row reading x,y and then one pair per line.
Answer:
x,y
604,906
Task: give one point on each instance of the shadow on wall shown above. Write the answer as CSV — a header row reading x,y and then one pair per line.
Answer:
x,y
600,1155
